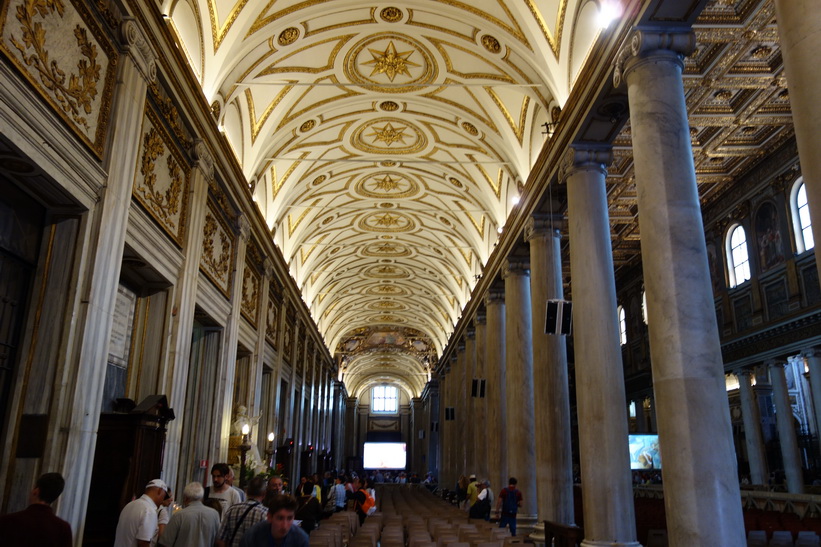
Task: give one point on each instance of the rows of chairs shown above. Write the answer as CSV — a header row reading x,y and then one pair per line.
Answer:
x,y
410,517
782,538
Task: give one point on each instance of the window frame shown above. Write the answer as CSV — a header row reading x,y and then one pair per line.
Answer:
x,y
385,399
622,325
729,248
799,230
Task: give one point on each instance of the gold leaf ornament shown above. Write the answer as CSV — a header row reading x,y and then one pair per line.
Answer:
x,y
74,92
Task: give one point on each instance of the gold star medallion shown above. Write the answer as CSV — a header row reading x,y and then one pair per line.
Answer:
x,y
390,62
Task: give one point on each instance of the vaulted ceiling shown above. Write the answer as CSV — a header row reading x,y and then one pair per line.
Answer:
x,y
387,144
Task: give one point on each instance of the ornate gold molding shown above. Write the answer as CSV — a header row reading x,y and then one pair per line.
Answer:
x,y
74,75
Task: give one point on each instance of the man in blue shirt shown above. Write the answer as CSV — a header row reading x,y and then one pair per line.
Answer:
x,y
278,529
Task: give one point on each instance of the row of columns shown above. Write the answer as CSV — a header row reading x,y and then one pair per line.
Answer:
x,y
691,407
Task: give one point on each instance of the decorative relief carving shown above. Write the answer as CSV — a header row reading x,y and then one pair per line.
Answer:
x,y
161,181
67,58
251,283
391,14
386,222
389,135
139,49
383,60
217,250
168,109
288,36
386,184
491,44
272,321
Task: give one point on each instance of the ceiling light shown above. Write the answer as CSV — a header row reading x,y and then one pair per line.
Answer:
x,y
515,200
608,12
499,229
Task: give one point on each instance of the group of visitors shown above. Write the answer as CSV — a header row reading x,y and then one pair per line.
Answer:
x,y
218,515
477,498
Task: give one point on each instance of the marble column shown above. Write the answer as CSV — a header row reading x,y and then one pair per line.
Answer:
x,y
480,439
799,26
496,387
786,429
601,403
433,403
106,239
416,441
641,417
185,300
469,419
258,364
812,357
460,424
228,357
554,460
752,429
521,442
350,430
700,477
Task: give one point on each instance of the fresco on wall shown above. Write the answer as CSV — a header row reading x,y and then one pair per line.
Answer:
x,y
768,237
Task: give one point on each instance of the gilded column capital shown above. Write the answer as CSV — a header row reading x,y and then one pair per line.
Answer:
x,y
516,266
584,158
543,225
202,158
139,49
643,44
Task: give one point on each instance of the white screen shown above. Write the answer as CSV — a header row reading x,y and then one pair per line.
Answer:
x,y
384,456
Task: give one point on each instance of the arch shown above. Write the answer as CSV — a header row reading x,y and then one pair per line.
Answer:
x,y
802,223
738,256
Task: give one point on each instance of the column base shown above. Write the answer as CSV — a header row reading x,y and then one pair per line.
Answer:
x,y
593,543
537,535
525,524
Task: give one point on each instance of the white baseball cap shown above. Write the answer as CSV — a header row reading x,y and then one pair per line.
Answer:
x,y
157,483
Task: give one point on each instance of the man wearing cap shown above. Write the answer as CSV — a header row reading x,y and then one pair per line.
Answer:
x,y
473,492
138,519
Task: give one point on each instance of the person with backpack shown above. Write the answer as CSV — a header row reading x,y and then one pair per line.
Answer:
x,y
508,503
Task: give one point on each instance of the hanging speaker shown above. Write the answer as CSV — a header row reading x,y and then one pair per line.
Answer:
x,y
558,317
474,391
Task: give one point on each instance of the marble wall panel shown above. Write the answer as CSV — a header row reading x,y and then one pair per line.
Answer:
x,y
67,58
162,177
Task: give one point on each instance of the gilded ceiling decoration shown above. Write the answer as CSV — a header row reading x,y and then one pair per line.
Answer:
x,y
388,144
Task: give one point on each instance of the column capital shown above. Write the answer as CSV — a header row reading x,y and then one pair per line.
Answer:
x,y
494,297
139,49
516,266
542,225
202,158
744,372
773,363
584,158
480,319
811,352
268,266
244,227
470,333
644,44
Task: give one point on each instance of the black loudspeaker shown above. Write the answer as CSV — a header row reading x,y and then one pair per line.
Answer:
x,y
558,317
474,390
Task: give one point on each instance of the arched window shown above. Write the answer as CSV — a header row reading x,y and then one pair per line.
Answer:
x,y
644,306
802,224
622,326
384,399
738,259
